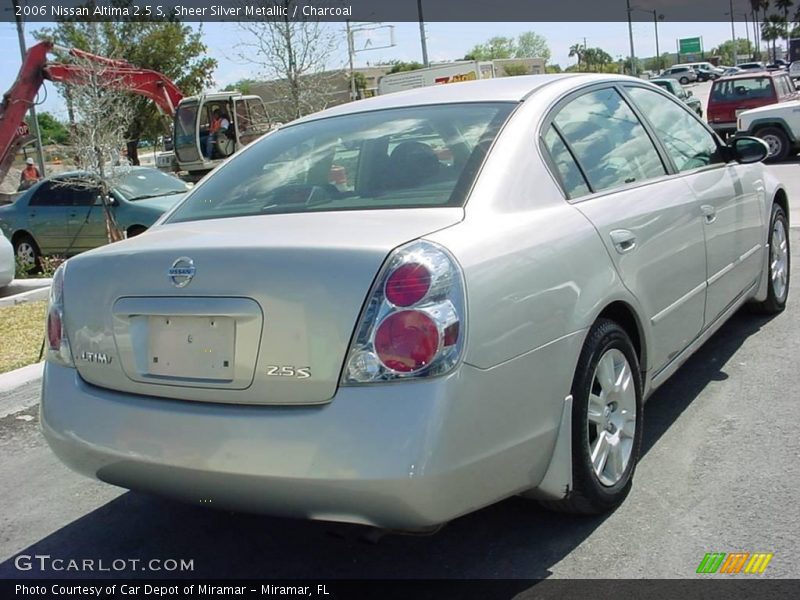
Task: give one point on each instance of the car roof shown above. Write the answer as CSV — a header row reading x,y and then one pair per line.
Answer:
x,y
500,89
749,75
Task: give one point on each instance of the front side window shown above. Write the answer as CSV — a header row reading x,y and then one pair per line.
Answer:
x,y
397,158
52,193
608,140
688,143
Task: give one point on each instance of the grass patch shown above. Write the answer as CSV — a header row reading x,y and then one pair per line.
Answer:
x,y
21,334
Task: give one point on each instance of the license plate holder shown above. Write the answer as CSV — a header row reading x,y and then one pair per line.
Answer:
x,y
191,347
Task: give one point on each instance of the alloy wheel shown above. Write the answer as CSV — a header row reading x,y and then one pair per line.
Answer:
x,y
611,417
779,259
26,254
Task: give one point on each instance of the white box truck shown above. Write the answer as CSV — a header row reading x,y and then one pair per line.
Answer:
x,y
436,75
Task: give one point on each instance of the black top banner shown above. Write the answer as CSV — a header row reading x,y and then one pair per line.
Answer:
x,y
379,10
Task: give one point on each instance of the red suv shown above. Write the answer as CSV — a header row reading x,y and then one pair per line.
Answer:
x,y
731,95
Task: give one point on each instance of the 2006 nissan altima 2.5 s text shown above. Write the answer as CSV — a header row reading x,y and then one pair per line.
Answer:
x,y
398,311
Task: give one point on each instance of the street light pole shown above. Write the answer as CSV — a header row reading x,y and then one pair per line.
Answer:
x,y
733,37
34,120
630,36
658,53
350,53
422,39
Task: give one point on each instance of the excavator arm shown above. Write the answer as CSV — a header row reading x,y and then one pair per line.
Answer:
x,y
116,74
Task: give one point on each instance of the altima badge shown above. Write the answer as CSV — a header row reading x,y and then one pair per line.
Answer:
x,y
181,272
97,357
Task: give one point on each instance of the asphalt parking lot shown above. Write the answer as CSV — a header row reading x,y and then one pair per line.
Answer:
x,y
720,472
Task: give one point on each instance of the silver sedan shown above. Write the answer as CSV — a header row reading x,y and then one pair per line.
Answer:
x,y
397,311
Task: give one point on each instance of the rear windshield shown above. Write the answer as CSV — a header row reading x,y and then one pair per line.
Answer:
x,y
398,158
733,90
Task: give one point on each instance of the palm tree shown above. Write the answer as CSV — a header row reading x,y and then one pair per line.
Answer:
x,y
577,50
784,5
771,29
755,6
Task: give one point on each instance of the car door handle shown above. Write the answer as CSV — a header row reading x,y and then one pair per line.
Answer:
x,y
624,240
709,212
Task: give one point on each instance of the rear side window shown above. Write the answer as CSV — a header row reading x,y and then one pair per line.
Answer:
x,y
610,144
736,90
397,158
571,178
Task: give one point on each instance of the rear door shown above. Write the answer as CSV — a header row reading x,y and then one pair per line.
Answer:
x,y
47,216
649,222
86,225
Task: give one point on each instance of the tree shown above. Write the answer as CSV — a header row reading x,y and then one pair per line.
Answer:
x,y
103,114
783,6
552,69
772,28
168,46
532,45
726,50
243,85
52,130
294,55
527,45
514,69
400,66
596,59
496,47
577,50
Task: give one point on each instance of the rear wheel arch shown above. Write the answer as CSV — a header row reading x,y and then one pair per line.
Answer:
x,y
782,200
625,316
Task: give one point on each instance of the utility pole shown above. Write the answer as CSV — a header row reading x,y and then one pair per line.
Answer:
x,y
422,39
733,37
350,53
34,121
630,36
658,53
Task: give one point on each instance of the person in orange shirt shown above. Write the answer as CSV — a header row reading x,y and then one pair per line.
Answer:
x,y
30,175
219,124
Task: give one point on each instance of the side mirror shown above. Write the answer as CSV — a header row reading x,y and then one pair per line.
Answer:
x,y
748,150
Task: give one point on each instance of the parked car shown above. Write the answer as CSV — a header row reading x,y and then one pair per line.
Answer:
x,y
705,70
7,264
731,71
778,65
676,89
777,124
464,317
794,70
730,96
63,214
683,74
752,66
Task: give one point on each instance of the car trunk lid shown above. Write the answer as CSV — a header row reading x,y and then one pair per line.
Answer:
x,y
253,310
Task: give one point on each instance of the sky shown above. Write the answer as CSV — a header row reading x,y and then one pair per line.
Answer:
x,y
446,41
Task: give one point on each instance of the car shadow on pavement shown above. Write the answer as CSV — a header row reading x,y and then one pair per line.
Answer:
x,y
512,539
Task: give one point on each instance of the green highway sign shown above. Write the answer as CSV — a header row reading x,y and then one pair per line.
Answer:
x,y
690,46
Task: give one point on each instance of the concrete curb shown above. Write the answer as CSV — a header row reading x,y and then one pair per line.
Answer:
x,y
32,292
12,398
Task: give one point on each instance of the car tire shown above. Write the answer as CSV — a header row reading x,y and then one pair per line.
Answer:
x,y
778,265
606,389
26,250
777,141
684,80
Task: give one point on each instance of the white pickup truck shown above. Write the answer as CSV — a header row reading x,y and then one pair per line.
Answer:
x,y
777,124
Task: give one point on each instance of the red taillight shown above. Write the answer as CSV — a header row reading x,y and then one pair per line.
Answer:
x,y
407,341
408,284
54,329
413,324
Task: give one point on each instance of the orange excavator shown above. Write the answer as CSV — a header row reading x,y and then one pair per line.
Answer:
x,y
192,116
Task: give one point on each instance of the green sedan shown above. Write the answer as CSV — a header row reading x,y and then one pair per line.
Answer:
x,y
62,215
676,89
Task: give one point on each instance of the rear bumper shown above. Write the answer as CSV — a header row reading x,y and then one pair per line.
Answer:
x,y
405,455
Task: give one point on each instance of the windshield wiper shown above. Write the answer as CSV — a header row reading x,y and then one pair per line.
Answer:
x,y
146,196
